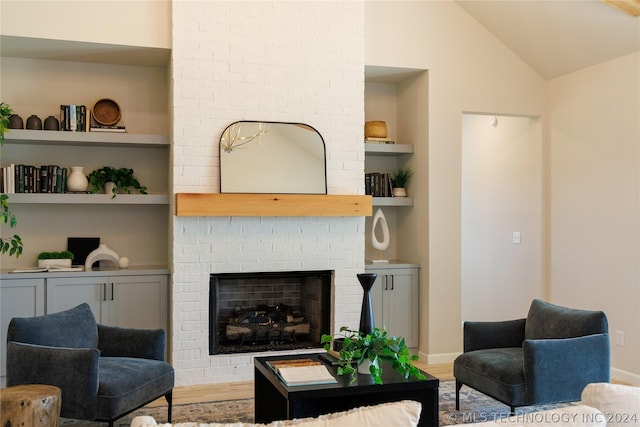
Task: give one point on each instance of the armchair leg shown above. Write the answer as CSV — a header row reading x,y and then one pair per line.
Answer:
x,y
169,397
458,387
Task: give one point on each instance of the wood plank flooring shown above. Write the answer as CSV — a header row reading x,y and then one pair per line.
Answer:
x,y
244,390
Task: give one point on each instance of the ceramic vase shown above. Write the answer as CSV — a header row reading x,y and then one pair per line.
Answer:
x,y
366,314
399,192
77,181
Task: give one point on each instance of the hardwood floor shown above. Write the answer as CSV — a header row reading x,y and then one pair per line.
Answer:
x,y
243,390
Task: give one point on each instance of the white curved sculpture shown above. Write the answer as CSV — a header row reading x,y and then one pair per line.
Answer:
x,y
379,219
101,253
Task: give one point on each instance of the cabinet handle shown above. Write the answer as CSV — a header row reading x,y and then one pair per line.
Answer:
x,y
386,285
391,282
104,292
111,291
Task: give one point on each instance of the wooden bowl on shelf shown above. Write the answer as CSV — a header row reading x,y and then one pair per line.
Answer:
x,y
375,129
106,112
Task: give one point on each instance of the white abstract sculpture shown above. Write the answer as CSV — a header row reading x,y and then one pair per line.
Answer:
x,y
379,218
101,253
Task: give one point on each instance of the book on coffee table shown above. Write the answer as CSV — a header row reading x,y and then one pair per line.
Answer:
x,y
302,372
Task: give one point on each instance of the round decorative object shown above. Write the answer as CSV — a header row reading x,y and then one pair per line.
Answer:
x,y
51,123
123,262
77,181
375,129
101,253
34,122
106,112
15,122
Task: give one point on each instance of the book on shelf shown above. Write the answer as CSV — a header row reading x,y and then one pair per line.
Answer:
x,y
302,372
101,128
73,118
19,178
377,184
47,269
372,140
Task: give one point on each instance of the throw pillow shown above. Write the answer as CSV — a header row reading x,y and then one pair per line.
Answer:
x,y
619,403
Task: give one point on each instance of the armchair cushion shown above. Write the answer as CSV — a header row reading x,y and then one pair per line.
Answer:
x,y
547,321
127,342
54,329
481,335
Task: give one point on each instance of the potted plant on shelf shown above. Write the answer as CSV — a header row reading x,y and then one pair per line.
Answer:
x,y
399,180
12,244
372,349
123,180
55,259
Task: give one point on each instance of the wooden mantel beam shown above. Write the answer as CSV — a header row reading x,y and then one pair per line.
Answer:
x,y
631,7
218,204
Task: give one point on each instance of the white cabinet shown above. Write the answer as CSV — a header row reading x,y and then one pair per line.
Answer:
x,y
18,298
136,301
395,301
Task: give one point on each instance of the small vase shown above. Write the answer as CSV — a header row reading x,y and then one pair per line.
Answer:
x,y
399,192
366,313
109,188
365,366
77,181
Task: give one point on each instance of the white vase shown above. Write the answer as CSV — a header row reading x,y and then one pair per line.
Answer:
x,y
109,187
364,367
77,181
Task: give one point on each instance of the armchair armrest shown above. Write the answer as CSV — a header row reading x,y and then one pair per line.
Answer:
x,y
127,342
557,370
483,335
73,370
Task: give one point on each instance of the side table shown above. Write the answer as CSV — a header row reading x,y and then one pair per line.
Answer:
x,y
35,405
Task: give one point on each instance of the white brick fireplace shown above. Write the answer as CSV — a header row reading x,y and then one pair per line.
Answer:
x,y
297,61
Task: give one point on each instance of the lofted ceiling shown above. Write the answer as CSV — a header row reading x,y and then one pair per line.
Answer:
x,y
556,37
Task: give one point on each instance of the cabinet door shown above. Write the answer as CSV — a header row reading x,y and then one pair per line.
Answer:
x,y
18,298
401,305
139,302
68,292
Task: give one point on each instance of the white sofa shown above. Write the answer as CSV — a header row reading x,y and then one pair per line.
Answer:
x,y
602,405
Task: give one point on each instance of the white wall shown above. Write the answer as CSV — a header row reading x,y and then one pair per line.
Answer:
x,y
272,61
469,70
594,202
501,194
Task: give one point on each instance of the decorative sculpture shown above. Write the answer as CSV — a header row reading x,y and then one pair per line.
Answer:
x,y
380,219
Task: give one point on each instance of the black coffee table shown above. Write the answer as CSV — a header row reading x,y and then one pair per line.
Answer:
x,y
276,401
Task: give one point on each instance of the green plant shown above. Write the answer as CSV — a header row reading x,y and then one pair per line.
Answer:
x,y
13,245
55,255
123,178
377,346
400,177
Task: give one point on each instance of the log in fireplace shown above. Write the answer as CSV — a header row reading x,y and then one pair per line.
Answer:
x,y
266,311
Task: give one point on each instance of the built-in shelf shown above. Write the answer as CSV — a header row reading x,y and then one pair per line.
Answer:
x,y
217,204
387,149
88,199
393,201
93,139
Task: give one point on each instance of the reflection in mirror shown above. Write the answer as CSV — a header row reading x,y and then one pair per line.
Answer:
x,y
272,157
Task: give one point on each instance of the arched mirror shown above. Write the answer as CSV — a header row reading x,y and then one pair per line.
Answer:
x,y
272,157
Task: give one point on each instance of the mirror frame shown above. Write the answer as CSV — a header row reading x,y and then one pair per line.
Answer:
x,y
248,191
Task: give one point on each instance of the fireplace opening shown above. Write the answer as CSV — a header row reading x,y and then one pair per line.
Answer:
x,y
267,311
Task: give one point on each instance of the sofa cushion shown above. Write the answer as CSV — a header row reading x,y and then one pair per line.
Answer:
x,y
619,403
405,413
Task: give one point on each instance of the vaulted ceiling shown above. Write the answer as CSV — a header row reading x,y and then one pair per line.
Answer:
x,y
556,37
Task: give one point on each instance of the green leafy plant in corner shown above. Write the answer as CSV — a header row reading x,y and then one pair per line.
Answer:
x,y
12,244
55,255
123,178
378,347
400,177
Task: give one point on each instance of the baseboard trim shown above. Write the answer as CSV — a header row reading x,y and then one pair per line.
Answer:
x,y
624,376
433,359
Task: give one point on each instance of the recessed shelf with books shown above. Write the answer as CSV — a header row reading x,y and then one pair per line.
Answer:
x,y
137,78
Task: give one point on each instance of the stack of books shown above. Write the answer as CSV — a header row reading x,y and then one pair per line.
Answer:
x,y
377,184
372,140
73,118
302,372
31,179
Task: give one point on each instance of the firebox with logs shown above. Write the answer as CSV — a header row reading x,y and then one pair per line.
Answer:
x,y
276,325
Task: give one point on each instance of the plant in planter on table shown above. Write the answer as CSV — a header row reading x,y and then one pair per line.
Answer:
x,y
123,179
374,348
12,244
55,259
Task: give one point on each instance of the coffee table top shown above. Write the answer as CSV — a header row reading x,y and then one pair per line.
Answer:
x,y
363,383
